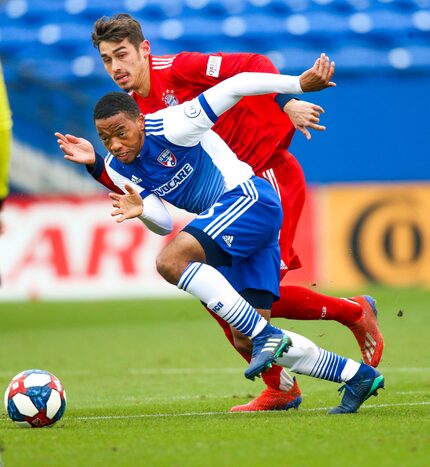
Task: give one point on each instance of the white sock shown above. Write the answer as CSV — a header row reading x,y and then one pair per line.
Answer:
x,y
307,358
211,287
286,381
350,370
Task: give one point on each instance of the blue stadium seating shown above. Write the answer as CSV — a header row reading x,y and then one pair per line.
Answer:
x,y
61,28
48,57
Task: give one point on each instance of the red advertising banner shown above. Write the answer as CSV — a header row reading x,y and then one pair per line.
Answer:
x,y
72,248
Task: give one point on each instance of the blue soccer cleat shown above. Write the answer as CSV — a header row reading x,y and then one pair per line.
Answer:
x,y
364,384
267,347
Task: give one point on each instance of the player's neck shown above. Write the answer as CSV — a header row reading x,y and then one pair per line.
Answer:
x,y
143,87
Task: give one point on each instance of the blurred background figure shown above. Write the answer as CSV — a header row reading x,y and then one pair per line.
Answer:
x,y
365,219
5,138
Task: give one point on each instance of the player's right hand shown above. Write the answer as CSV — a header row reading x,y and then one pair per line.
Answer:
x,y
128,206
319,76
77,150
304,116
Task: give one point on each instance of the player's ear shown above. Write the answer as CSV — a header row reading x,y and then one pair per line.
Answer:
x,y
141,122
145,47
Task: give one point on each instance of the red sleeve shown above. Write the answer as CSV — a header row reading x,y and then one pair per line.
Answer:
x,y
98,171
202,71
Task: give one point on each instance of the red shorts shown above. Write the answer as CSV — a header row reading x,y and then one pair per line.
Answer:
x,y
286,176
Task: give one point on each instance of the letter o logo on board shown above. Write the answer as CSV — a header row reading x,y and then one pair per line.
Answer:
x,y
390,240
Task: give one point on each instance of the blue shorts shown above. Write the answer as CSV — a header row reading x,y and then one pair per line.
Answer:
x,y
245,223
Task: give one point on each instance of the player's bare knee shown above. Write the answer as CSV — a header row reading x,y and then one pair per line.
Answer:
x,y
177,255
170,265
166,266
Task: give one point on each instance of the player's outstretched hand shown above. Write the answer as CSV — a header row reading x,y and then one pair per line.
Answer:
x,y
75,149
304,116
319,76
128,206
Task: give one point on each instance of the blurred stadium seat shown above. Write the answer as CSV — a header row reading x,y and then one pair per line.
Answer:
x,y
45,46
62,28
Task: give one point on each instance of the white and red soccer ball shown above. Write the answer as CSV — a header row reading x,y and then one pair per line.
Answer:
x,y
35,398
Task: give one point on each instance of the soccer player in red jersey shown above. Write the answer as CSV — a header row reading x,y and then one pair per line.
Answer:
x,y
156,82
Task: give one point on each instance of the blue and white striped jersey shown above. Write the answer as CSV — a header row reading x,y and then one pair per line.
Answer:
x,y
182,161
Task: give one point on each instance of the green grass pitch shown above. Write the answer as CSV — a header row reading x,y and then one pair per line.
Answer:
x,y
150,383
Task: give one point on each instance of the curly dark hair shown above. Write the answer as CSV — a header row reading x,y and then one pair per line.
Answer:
x,y
113,103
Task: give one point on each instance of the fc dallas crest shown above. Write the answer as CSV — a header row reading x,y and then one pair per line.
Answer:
x,y
169,98
167,158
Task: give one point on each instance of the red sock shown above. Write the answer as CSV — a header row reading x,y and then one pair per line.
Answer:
x,y
272,377
301,303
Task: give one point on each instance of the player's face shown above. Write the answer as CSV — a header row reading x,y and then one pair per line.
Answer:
x,y
126,65
122,135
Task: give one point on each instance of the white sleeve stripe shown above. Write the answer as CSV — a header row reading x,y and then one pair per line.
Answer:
x,y
161,67
162,62
163,59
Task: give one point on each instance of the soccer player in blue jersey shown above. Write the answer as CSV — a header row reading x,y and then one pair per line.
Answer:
x,y
171,154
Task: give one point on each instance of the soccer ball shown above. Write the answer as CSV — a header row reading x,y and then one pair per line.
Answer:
x,y
35,398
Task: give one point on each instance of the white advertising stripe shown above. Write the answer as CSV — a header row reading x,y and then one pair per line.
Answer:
x,y
71,248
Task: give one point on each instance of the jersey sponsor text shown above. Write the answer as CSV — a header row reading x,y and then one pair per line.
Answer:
x,y
175,181
214,65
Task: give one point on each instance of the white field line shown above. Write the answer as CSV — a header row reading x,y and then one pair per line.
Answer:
x,y
203,397
206,414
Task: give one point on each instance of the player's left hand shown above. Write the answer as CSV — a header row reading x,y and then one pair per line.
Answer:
x,y
77,150
304,115
129,205
319,76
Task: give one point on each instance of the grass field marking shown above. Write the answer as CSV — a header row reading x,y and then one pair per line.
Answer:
x,y
209,396
208,414
204,414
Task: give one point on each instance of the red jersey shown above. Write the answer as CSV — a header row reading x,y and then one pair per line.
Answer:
x,y
255,128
